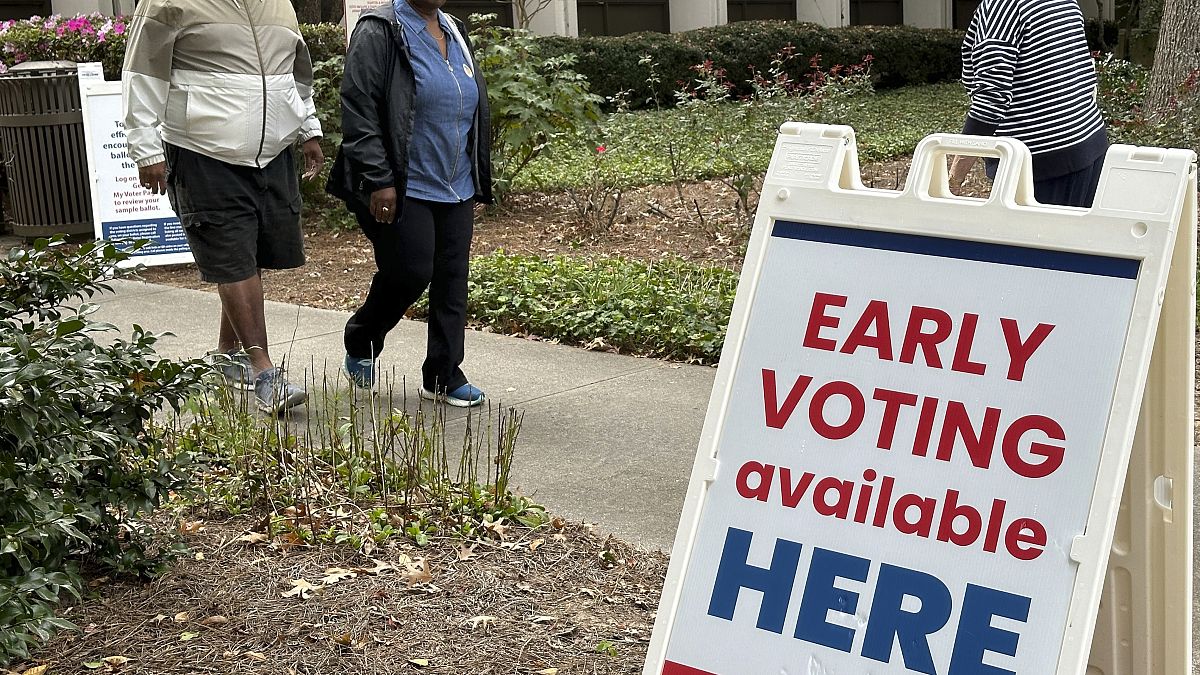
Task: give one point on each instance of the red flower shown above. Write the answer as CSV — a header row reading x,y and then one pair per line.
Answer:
x,y
600,149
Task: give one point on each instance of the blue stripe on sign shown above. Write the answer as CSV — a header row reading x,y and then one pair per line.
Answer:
x,y
1003,254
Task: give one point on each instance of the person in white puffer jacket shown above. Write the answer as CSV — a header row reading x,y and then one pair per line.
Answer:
x,y
216,94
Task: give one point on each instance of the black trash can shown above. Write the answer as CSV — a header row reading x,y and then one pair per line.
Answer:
x,y
41,137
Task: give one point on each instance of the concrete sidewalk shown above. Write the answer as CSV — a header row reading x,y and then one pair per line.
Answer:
x,y
606,438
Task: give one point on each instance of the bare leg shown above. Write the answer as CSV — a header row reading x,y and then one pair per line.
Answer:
x,y
228,341
242,304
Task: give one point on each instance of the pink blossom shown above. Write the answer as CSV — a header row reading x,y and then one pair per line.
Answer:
x,y
601,149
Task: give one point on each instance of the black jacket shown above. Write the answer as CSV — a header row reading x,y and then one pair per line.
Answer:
x,y
378,95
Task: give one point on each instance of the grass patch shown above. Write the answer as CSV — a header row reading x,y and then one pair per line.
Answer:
x,y
889,125
357,470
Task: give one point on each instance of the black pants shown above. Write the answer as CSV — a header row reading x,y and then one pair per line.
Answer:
x,y
429,246
1074,189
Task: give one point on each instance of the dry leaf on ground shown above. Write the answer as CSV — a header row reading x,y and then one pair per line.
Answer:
x,y
301,589
417,572
335,575
481,620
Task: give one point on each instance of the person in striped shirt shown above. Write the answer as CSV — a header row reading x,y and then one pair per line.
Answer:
x,y
1030,76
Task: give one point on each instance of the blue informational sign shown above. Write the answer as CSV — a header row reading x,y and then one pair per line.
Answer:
x,y
122,210
165,235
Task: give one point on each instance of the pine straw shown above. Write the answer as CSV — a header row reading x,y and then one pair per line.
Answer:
x,y
512,606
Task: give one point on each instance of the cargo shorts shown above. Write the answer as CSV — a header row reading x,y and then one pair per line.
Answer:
x,y
238,219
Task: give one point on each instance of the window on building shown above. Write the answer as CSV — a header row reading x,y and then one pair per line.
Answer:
x,y
876,12
23,9
618,17
750,10
963,11
465,8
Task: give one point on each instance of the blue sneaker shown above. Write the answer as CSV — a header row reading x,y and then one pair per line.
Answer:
x,y
274,394
360,371
466,396
235,368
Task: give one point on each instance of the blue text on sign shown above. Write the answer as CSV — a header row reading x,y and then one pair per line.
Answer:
x,y
888,622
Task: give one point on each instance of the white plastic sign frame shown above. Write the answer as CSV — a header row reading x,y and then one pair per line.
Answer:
x,y
1143,201
107,179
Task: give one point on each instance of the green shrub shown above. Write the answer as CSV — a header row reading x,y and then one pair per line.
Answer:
x,y
78,461
1122,95
83,38
612,65
534,100
96,37
325,40
1102,35
903,55
671,308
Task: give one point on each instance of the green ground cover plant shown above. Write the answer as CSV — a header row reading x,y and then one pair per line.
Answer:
x,y
889,125
669,309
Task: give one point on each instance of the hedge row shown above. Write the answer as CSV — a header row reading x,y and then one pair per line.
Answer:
x,y
902,55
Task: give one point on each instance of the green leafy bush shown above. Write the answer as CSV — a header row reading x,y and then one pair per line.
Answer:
x,y
78,463
903,55
1102,35
1122,94
612,65
96,37
325,40
671,308
534,100
83,38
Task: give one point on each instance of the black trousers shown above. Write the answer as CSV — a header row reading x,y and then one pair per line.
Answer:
x,y
1077,188
428,246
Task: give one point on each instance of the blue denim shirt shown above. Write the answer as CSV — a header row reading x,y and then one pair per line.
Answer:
x,y
439,166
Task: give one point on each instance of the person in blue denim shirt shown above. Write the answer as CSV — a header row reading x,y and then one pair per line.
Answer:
x,y
414,161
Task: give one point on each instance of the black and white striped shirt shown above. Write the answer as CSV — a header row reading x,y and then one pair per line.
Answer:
x,y
1030,75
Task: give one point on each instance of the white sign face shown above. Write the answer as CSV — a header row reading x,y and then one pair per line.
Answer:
x,y
910,446
353,9
122,209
